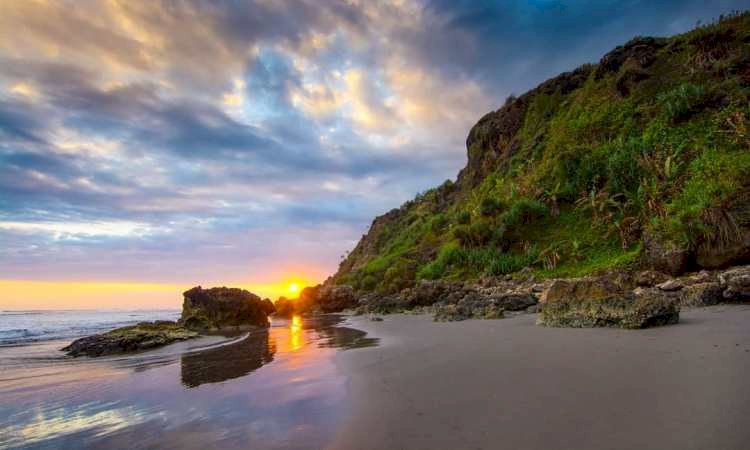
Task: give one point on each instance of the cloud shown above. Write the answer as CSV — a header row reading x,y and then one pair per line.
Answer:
x,y
187,141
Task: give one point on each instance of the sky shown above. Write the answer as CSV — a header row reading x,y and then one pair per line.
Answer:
x,y
150,146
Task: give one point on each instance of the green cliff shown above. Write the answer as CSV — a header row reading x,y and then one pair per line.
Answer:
x,y
641,160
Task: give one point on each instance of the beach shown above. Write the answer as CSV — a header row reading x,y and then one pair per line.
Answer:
x,y
406,382
497,384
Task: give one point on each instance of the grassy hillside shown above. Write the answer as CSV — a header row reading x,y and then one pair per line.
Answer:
x,y
648,148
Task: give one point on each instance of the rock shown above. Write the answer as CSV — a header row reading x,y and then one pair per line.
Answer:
x,y
473,306
376,319
640,50
515,301
222,307
701,294
650,278
718,256
603,301
670,285
374,303
285,307
144,336
334,298
428,292
268,306
736,283
666,257
533,309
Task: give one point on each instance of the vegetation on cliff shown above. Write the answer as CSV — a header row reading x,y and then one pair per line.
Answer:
x,y
640,160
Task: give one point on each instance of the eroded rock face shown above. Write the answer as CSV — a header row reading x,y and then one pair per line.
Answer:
x,y
736,283
605,302
144,336
222,307
665,257
472,306
336,298
701,294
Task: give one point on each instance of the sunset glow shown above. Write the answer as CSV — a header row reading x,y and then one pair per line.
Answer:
x,y
30,294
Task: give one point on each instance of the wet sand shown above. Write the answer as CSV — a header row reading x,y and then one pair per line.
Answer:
x,y
509,384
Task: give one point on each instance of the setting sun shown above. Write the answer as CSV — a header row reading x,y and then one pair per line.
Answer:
x,y
293,288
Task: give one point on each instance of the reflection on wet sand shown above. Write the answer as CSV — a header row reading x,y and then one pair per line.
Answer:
x,y
277,388
227,361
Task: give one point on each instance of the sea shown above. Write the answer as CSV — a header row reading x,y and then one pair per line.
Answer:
x,y
19,327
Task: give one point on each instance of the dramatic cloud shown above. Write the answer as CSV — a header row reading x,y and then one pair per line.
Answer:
x,y
231,141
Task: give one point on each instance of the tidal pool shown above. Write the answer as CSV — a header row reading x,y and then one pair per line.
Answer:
x,y
275,389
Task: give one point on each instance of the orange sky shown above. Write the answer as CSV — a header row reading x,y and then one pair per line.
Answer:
x,y
26,294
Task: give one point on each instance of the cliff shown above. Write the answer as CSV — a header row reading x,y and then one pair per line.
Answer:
x,y
639,161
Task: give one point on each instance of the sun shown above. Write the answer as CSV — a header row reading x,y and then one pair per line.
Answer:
x,y
293,288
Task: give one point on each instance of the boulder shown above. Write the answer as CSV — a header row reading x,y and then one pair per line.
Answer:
x,y
667,257
700,294
515,301
717,256
285,307
736,283
650,278
670,285
472,306
428,292
144,336
222,307
333,298
605,301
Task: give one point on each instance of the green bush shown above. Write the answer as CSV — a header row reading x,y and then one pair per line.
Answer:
x,y
524,212
490,207
681,102
463,218
477,234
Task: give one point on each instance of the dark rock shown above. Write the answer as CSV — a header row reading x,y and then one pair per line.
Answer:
x,y
604,301
650,278
670,285
641,50
667,257
427,293
376,319
222,307
515,301
736,283
144,336
473,306
336,298
701,294
268,306
285,307
374,303
718,256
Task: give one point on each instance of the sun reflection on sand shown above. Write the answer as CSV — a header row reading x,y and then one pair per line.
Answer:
x,y
296,336
61,421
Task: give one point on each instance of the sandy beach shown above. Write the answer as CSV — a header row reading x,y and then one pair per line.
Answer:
x,y
511,384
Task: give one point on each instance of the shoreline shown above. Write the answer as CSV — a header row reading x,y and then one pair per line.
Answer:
x,y
510,383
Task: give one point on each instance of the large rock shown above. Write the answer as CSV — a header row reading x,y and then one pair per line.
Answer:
x,y
472,306
605,301
717,256
427,293
333,298
144,336
667,257
700,294
222,307
515,301
736,283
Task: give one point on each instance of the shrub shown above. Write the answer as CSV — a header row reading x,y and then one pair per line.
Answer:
x,y
524,212
490,207
463,218
681,102
474,235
